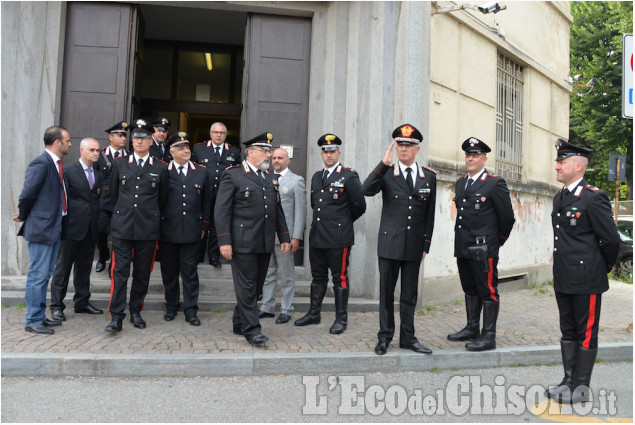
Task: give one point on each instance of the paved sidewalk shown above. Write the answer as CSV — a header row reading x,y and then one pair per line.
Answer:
x,y
528,323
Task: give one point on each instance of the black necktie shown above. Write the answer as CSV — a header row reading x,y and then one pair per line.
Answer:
x,y
217,153
261,174
409,180
325,176
181,173
140,163
469,183
117,154
162,148
564,193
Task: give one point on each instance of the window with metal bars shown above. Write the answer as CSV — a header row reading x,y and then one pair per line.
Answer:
x,y
509,119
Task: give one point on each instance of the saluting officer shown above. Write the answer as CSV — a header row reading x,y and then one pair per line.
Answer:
x,y
405,232
248,215
184,221
117,147
484,220
216,156
337,201
139,191
586,244
159,148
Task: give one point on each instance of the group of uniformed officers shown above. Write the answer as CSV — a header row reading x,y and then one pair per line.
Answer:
x,y
162,196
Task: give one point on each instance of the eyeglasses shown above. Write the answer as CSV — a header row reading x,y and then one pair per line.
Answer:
x,y
219,132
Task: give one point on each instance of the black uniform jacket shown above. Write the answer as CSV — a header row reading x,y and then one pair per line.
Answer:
x,y
155,152
586,241
484,209
187,211
137,198
248,213
104,166
407,217
83,203
336,204
204,154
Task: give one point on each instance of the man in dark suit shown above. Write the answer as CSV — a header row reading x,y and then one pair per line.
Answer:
x,y
585,248
248,215
139,187
159,148
117,138
77,249
216,155
184,221
337,201
484,220
41,206
407,220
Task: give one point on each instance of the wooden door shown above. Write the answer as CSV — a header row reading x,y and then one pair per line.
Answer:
x,y
276,82
98,69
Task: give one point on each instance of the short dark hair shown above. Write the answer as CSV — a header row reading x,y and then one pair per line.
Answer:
x,y
52,134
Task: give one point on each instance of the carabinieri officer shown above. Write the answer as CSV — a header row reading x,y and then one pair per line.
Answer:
x,y
585,247
248,215
184,221
139,190
337,201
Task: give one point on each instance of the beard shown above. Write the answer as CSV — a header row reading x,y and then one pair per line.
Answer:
x,y
263,165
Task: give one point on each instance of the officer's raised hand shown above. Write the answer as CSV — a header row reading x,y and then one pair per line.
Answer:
x,y
388,155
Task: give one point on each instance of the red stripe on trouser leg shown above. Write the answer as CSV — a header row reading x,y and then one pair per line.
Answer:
x,y
590,322
343,271
112,280
490,279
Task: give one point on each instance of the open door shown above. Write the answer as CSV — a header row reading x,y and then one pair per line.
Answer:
x,y
98,69
276,82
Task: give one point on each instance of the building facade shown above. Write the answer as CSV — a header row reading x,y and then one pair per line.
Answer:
x,y
357,69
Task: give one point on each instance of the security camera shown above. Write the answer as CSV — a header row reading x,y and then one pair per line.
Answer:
x,y
592,82
578,77
489,7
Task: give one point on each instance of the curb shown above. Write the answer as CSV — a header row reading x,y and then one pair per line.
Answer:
x,y
262,363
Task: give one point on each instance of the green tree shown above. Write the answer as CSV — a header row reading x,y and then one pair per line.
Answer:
x,y
596,115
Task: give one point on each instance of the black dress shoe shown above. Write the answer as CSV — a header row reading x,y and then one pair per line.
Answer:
x,y
193,320
100,267
114,326
417,348
237,330
58,315
49,323
39,329
381,348
263,314
89,309
258,339
283,318
169,316
216,264
137,321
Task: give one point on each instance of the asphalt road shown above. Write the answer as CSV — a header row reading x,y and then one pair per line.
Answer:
x,y
488,395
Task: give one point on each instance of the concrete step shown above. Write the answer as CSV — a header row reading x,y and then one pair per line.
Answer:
x,y
216,291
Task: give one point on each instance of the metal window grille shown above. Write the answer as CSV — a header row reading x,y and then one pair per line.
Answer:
x,y
509,119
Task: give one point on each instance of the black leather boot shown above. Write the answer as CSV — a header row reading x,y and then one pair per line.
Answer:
x,y
487,339
579,389
473,311
313,316
341,316
569,349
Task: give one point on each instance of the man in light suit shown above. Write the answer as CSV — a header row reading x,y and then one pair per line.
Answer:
x,y
248,215
293,199
405,231
82,222
41,206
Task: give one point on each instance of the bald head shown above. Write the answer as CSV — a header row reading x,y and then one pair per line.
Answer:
x,y
280,160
